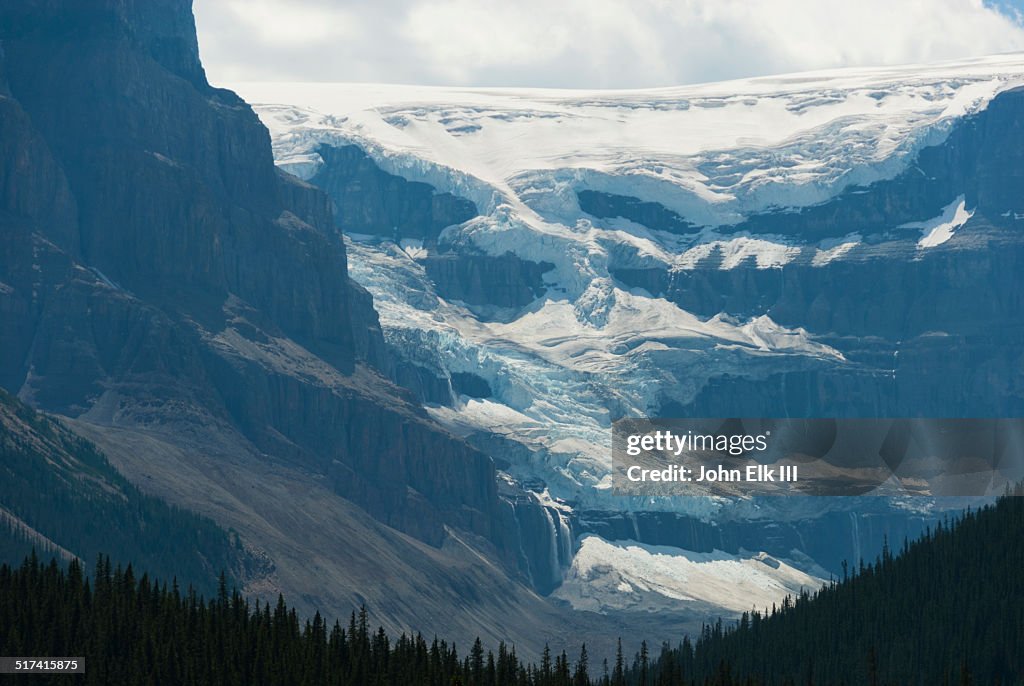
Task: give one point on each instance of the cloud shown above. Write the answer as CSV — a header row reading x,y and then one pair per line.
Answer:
x,y
585,43
275,25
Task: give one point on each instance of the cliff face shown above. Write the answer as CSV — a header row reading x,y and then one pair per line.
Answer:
x,y
650,214
173,180
164,30
158,274
371,201
502,281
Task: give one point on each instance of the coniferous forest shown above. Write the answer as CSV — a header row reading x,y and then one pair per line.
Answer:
x,y
55,487
947,609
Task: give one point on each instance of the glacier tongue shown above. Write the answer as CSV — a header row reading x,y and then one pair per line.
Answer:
x,y
561,370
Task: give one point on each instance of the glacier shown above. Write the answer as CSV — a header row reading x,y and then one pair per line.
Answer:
x,y
591,348
714,153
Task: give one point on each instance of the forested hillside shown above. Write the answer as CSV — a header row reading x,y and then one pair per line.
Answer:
x,y
60,496
135,631
949,609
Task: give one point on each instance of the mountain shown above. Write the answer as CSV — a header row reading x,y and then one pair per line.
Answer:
x,y
840,244
59,496
171,296
687,249
388,363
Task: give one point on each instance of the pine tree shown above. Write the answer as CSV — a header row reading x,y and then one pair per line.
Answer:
x,y
581,677
619,673
476,663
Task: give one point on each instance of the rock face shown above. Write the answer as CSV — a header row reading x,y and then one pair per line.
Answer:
x,y
501,281
470,384
371,201
899,322
650,214
159,274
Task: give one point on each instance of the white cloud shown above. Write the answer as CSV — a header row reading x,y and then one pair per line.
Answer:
x,y
584,43
278,23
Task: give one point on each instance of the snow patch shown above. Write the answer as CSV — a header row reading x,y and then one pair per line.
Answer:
x,y
625,575
734,252
833,249
414,248
940,229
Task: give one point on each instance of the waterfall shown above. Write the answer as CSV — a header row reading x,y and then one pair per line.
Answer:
x,y
519,534
565,539
855,530
556,568
636,528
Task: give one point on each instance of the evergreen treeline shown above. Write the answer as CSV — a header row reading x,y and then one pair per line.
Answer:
x,y
62,487
134,631
948,609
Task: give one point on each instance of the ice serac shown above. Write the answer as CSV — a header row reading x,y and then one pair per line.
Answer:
x,y
188,306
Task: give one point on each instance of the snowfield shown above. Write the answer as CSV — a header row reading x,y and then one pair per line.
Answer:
x,y
714,153
590,349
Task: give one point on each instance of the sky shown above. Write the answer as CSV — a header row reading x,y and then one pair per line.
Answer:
x,y
586,43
